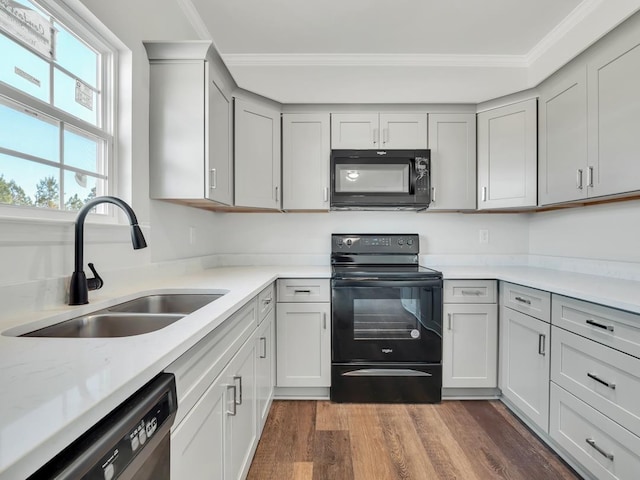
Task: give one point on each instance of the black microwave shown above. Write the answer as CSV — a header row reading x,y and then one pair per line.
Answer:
x,y
380,179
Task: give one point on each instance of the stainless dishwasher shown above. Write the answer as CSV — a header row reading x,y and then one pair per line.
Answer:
x,y
130,443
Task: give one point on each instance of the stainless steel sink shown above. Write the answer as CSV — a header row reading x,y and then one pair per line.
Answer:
x,y
179,303
100,325
135,317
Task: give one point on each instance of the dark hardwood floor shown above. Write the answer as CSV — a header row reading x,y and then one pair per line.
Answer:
x,y
466,440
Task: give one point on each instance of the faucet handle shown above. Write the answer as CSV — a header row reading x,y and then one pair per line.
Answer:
x,y
96,282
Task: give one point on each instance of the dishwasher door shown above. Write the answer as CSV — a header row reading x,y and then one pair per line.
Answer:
x,y
130,443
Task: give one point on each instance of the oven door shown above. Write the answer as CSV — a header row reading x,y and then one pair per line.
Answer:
x,y
386,320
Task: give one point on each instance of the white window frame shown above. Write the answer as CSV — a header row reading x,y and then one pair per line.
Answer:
x,y
107,120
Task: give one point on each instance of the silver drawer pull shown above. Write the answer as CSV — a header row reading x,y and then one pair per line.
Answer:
x,y
542,344
263,341
386,372
600,325
301,291
234,411
612,386
593,443
523,300
471,292
267,301
239,400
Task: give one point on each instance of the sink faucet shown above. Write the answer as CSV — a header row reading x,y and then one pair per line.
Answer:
x,y
80,285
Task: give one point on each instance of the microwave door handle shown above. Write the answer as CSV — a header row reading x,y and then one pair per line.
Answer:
x,y
412,177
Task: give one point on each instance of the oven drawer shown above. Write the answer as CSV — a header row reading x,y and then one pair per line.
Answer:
x,y
470,291
386,383
531,301
304,290
606,379
614,328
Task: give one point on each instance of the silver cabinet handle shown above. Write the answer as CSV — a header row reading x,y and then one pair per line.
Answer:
x,y
542,344
433,194
385,135
476,293
612,386
267,301
239,379
523,300
484,194
579,179
590,177
301,291
277,198
326,194
264,347
599,325
234,411
593,443
324,321
449,321
375,136
214,179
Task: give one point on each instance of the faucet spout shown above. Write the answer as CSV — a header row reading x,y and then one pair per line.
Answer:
x,y
80,286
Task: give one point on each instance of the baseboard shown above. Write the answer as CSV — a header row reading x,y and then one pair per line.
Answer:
x,y
470,393
301,393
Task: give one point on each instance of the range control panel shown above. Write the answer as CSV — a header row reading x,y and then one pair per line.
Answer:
x,y
389,243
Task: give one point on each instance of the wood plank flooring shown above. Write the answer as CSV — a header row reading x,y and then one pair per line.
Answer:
x,y
466,440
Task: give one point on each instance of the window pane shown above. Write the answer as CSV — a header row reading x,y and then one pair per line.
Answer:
x,y
28,134
74,97
78,188
83,151
28,183
75,56
23,70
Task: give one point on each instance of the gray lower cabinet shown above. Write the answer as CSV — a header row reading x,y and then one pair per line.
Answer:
x,y
225,387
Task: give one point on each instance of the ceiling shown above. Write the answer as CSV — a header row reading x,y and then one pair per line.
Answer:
x,y
399,51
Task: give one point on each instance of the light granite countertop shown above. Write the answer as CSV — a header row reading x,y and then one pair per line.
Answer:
x,y
54,389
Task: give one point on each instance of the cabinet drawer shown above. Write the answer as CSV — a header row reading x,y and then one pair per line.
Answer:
x,y
536,303
266,301
615,328
602,446
604,378
304,290
201,364
470,291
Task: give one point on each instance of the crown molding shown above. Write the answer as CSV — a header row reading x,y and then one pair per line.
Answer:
x,y
373,60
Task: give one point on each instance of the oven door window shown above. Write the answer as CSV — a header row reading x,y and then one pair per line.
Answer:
x,y
387,323
372,178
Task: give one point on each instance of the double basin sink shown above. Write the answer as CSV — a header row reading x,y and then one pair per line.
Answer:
x,y
134,317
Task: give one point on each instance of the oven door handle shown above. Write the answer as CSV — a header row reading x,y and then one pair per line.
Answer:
x,y
386,372
380,282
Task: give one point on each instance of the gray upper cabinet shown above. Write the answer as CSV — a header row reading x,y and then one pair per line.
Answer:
x,y
452,141
507,156
305,161
257,155
379,130
188,164
563,160
613,79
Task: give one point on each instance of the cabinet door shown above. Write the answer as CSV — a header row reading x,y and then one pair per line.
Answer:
x,y
452,140
257,155
220,168
303,336
403,130
614,117
197,444
507,156
265,366
563,169
305,161
524,362
470,346
177,154
355,130
241,420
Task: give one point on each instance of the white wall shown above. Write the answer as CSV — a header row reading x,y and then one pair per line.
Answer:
x,y
309,233
600,232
